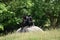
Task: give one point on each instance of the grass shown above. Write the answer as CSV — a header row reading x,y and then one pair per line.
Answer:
x,y
46,35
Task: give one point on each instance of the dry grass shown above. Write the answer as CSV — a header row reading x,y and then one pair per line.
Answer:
x,y
47,35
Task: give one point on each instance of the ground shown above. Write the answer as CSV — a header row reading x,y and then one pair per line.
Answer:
x,y
46,35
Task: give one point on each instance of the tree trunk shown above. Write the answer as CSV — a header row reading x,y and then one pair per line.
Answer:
x,y
58,22
53,21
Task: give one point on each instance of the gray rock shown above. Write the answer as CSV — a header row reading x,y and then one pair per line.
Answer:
x,y
30,29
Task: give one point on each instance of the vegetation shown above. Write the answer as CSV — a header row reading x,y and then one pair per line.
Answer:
x,y
47,35
46,13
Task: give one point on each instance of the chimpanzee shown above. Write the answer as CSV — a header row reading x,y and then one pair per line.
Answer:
x,y
27,21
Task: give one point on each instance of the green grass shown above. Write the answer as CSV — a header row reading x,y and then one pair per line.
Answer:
x,y
47,35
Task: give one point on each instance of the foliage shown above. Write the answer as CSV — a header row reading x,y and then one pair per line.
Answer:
x,y
6,17
46,13
45,10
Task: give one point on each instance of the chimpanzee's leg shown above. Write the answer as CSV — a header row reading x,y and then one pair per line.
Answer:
x,y
23,25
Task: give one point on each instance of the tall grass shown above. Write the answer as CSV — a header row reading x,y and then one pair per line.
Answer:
x,y
46,35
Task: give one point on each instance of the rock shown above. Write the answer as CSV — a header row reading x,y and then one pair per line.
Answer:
x,y
18,30
30,29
